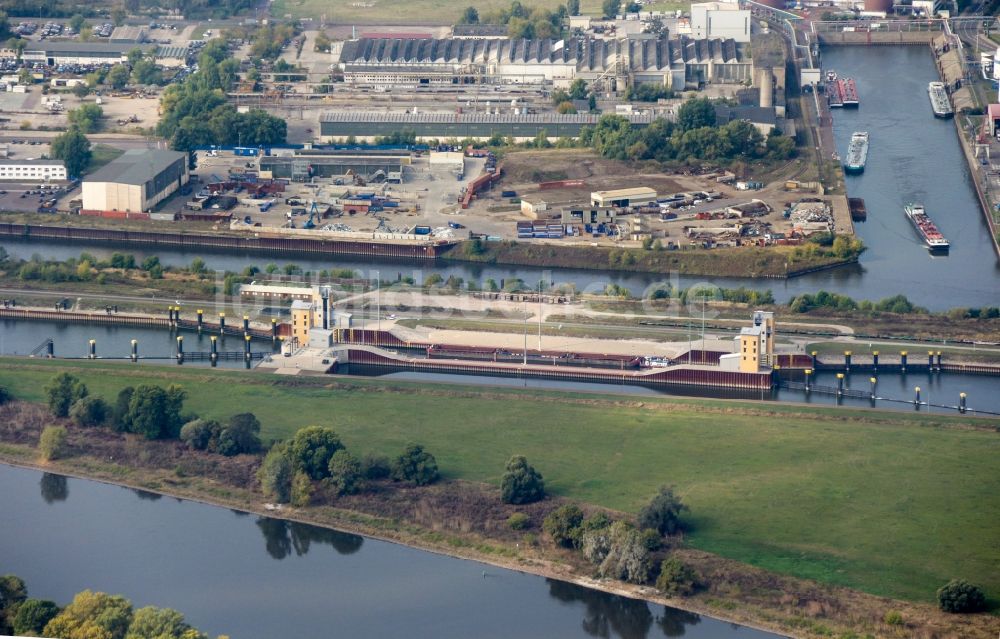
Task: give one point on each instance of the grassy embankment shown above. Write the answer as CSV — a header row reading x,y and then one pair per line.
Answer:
x,y
776,261
889,503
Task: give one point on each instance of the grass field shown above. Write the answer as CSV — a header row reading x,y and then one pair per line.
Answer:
x,y
893,504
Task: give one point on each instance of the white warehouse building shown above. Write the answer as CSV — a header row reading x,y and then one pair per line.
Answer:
x,y
136,181
32,170
720,20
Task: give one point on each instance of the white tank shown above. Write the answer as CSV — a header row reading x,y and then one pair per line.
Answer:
x,y
513,102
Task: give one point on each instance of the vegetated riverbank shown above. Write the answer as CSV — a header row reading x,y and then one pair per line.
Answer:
x,y
775,262
793,520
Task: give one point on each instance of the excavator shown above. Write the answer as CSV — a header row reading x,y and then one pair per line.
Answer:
x,y
310,224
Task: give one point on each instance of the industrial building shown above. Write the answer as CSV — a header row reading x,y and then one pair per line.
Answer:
x,y
136,181
754,346
623,198
32,170
53,53
677,63
720,20
442,126
305,164
126,34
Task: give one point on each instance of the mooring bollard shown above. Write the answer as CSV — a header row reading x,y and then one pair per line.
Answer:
x,y
916,397
939,361
847,361
201,319
961,403
180,349
813,355
214,355
874,382
902,360
222,323
840,384
875,360
246,325
274,329
808,375
246,351
135,351
93,349
51,349
930,361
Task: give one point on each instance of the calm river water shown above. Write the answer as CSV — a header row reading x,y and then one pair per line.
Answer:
x,y
257,578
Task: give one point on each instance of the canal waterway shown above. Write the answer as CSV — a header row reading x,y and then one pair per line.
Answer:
x,y
72,341
912,157
252,577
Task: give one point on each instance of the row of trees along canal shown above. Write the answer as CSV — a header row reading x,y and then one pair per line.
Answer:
x,y
314,467
197,281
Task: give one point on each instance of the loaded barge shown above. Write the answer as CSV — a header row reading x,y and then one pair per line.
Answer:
x,y
940,103
926,227
857,153
849,92
834,95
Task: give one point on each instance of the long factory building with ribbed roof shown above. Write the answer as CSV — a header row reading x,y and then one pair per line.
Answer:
x,y
677,63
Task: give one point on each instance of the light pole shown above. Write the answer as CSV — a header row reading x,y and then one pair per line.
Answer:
x,y
539,317
378,299
525,335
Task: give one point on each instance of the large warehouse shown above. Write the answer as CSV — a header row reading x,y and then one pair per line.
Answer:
x,y
136,181
677,63
55,53
334,125
308,163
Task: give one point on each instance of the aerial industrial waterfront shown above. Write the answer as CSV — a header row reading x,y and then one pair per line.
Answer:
x,y
641,319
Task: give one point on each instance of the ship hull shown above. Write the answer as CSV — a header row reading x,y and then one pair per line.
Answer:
x,y
934,246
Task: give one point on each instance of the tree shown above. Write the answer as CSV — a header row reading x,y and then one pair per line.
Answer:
x,y
73,148
119,414
117,76
5,396
345,473
578,89
620,551
469,16
376,466
13,592
662,513
610,8
52,442
676,578
86,117
145,71
155,413
302,490
118,16
241,434
62,391
160,623
76,22
521,484
960,596
415,466
24,76
565,107
32,615
311,449
275,474
695,114
92,615
197,433
81,89
563,525
573,7
89,411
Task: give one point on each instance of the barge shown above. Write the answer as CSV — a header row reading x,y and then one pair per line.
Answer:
x,y
926,228
849,93
940,102
857,153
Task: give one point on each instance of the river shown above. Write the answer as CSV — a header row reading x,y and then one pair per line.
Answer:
x,y
72,340
259,578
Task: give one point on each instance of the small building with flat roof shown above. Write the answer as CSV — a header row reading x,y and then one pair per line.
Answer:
x,y
136,181
32,170
623,197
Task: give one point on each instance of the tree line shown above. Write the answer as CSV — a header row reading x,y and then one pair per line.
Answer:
x,y
523,21
90,615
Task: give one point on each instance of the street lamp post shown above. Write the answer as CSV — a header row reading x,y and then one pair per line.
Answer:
x,y
378,299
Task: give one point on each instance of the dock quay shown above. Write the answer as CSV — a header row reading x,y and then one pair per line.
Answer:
x,y
250,243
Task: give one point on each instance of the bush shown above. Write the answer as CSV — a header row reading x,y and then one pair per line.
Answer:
x,y
275,474
197,433
375,466
662,513
519,521
619,552
32,615
893,618
345,473
676,579
52,443
302,490
5,396
521,484
89,412
959,595
311,449
563,525
415,466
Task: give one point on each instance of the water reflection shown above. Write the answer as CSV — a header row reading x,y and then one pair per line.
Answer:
x,y
606,614
283,537
674,622
54,488
145,494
